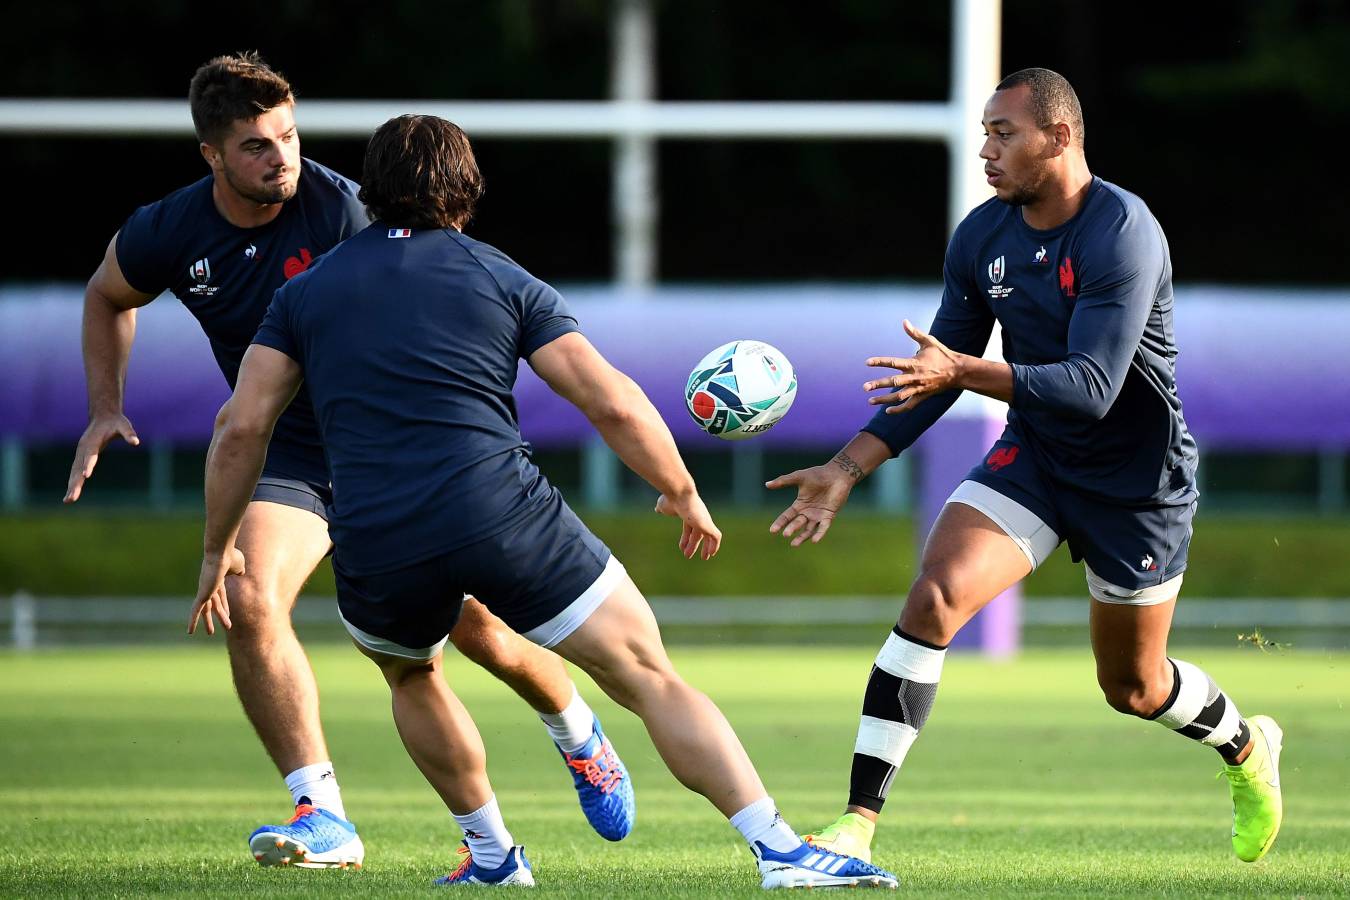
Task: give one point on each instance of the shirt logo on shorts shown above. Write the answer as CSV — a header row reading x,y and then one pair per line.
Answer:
x,y
1000,457
1147,564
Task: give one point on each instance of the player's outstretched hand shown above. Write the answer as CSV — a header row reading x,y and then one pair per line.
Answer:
x,y
100,431
821,492
211,597
932,370
699,529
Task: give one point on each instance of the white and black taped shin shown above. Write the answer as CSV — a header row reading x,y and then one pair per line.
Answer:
x,y
1199,710
900,694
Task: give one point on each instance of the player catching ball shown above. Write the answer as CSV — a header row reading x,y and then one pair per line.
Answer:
x,y
1096,453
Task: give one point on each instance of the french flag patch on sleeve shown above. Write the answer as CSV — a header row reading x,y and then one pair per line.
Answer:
x,y
400,232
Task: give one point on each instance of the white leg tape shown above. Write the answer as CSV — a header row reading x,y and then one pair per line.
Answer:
x,y
887,741
906,659
1227,728
1191,696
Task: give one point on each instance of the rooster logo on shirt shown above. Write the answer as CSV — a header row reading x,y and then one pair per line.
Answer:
x,y
1066,278
295,265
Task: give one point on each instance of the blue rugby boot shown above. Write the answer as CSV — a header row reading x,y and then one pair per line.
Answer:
x,y
313,839
514,871
810,867
603,786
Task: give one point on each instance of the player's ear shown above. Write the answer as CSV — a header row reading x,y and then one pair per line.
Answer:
x,y
1060,137
211,155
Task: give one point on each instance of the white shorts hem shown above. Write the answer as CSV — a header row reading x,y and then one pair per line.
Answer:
x,y
580,609
389,648
1104,591
1032,536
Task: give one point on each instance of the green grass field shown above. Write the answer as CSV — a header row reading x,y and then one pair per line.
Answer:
x,y
132,772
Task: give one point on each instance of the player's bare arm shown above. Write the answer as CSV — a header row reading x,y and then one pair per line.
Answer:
x,y
933,369
268,380
823,490
110,305
633,429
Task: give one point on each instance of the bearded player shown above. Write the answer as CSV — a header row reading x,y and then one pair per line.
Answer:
x,y
223,246
1096,453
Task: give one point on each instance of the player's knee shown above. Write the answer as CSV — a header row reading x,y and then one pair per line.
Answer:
x,y
1129,694
487,646
634,679
933,608
256,613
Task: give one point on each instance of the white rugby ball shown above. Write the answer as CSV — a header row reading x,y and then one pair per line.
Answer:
x,y
741,389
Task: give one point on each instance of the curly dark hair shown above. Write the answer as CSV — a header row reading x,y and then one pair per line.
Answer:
x,y
230,88
1052,99
420,172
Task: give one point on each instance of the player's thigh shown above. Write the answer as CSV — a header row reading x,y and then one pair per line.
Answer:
x,y
481,636
968,560
619,641
1134,560
1129,641
282,545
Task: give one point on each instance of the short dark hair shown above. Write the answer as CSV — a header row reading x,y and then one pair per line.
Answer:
x,y
230,88
1052,99
420,172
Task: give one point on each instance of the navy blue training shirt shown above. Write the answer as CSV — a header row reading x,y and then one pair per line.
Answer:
x,y
1086,313
226,276
410,343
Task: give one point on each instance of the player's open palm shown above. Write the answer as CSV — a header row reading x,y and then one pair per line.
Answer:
x,y
211,598
100,431
931,370
699,529
821,492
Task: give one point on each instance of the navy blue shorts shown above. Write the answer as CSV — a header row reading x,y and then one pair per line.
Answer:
x,y
295,474
1131,550
274,487
543,576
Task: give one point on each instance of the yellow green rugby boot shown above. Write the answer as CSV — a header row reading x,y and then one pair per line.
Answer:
x,y
848,835
1255,785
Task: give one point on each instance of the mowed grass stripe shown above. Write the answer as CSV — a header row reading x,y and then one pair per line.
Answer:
x,y
134,772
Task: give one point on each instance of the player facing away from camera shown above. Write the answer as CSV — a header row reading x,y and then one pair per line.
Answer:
x,y
223,246
409,337
1096,453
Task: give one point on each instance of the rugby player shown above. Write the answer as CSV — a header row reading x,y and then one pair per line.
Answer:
x,y
409,337
223,245
1096,453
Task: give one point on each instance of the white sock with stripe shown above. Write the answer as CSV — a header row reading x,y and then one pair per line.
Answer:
x,y
317,786
571,728
761,822
1199,710
485,833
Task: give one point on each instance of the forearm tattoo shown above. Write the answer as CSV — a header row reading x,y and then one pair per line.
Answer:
x,y
845,462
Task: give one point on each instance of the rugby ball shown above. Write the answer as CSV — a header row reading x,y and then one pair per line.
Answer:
x,y
741,389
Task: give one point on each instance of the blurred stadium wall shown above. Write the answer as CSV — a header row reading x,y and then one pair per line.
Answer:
x,y
1263,377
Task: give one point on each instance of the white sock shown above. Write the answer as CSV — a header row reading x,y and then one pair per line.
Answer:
x,y
317,785
761,822
571,728
486,834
